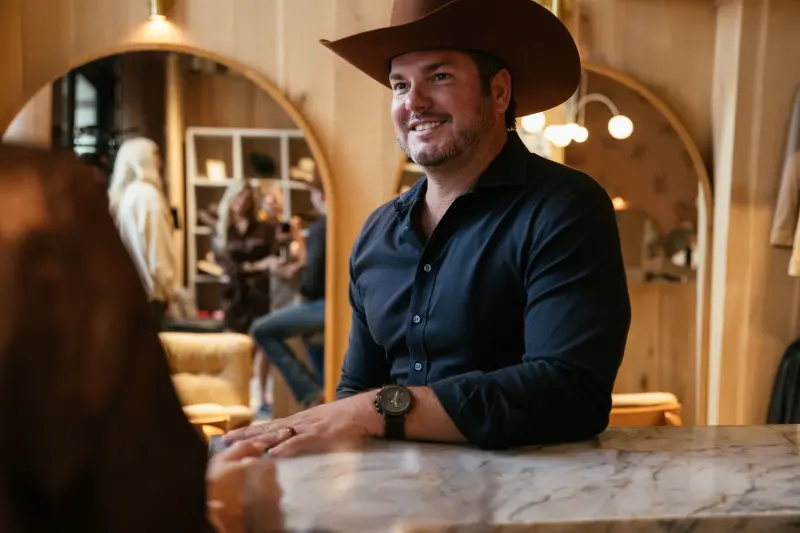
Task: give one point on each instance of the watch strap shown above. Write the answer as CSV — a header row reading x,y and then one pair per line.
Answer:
x,y
395,427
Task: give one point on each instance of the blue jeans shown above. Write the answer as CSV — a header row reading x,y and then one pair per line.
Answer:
x,y
270,333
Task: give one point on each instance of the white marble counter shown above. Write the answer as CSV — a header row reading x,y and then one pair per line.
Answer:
x,y
633,480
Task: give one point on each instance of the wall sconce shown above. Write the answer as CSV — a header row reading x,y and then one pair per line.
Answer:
x,y
159,8
561,135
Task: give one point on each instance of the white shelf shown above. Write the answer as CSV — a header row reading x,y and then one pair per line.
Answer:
x,y
196,180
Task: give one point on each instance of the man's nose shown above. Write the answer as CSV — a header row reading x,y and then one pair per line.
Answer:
x,y
417,98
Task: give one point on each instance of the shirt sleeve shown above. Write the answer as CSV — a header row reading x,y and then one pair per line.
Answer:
x,y
576,324
312,281
365,364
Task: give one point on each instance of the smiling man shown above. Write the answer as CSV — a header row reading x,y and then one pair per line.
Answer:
x,y
489,301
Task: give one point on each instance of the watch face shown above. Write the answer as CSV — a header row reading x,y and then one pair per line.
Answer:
x,y
395,400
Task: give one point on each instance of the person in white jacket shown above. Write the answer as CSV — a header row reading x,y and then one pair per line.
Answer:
x,y
140,210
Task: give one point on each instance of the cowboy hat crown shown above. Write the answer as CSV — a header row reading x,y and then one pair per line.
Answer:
x,y
529,39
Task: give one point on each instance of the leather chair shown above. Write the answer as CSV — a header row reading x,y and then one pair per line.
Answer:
x,y
211,373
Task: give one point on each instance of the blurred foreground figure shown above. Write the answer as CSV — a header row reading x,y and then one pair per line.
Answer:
x,y
93,436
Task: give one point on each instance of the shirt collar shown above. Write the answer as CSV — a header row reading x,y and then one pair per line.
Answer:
x,y
508,168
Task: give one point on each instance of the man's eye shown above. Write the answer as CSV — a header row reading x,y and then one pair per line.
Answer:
x,y
441,76
399,86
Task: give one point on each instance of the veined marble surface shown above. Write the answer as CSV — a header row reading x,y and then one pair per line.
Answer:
x,y
688,479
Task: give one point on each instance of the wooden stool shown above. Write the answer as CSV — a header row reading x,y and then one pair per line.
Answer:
x,y
645,409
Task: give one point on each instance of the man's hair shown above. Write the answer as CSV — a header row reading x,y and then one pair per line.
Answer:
x,y
488,67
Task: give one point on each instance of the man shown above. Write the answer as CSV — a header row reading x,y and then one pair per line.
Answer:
x,y
490,303
303,318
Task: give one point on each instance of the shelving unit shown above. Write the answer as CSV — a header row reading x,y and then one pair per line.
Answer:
x,y
232,147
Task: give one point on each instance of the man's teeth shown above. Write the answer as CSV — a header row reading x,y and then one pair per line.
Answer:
x,y
427,126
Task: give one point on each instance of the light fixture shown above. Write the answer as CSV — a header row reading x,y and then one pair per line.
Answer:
x,y
580,135
561,135
533,123
558,134
620,127
619,203
159,8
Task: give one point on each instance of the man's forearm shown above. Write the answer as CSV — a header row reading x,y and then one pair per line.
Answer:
x,y
426,421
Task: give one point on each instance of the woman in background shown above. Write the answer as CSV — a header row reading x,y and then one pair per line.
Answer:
x,y
245,247
142,215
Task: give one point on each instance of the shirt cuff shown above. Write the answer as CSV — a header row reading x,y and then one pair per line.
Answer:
x,y
464,399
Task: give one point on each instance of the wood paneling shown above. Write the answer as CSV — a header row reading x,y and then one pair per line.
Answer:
x,y
660,354
143,95
666,44
754,301
230,101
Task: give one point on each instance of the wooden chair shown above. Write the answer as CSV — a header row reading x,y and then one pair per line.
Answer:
x,y
645,409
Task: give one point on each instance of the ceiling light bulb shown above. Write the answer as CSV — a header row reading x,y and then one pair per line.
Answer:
x,y
533,123
580,135
558,135
620,204
620,127
571,128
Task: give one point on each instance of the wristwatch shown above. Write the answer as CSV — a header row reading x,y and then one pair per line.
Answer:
x,y
393,402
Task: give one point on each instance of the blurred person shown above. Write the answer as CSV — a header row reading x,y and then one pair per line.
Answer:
x,y
304,317
243,247
95,437
145,222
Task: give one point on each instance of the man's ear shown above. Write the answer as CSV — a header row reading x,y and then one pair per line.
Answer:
x,y
501,90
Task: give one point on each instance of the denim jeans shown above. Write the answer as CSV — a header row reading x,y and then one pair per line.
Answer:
x,y
270,333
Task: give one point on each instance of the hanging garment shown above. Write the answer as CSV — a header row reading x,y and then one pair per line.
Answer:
x,y
784,406
786,221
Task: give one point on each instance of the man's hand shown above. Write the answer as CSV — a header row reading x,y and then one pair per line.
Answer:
x,y
317,429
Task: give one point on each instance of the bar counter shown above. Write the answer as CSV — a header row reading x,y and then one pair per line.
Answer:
x,y
637,480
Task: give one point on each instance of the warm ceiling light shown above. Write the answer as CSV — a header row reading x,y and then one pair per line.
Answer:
x,y
159,8
533,123
620,127
619,203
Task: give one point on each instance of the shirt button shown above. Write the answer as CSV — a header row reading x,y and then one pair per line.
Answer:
x,y
416,319
426,268
417,366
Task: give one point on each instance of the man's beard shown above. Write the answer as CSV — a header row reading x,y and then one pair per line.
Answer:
x,y
463,141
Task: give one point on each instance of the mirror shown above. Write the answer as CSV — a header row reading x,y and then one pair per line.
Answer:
x,y
648,172
244,204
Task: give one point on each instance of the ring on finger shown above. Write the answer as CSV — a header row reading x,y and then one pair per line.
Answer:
x,y
290,432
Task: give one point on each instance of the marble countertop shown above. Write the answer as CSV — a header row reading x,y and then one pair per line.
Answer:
x,y
637,480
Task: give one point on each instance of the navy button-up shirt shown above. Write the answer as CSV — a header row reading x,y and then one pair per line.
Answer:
x,y
515,311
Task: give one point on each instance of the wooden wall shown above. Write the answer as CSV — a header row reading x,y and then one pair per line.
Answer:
x,y
142,95
230,101
660,354
669,45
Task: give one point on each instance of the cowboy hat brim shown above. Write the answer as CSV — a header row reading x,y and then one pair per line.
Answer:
x,y
535,46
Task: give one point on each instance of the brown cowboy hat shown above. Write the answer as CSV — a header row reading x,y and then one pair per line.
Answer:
x,y
535,46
